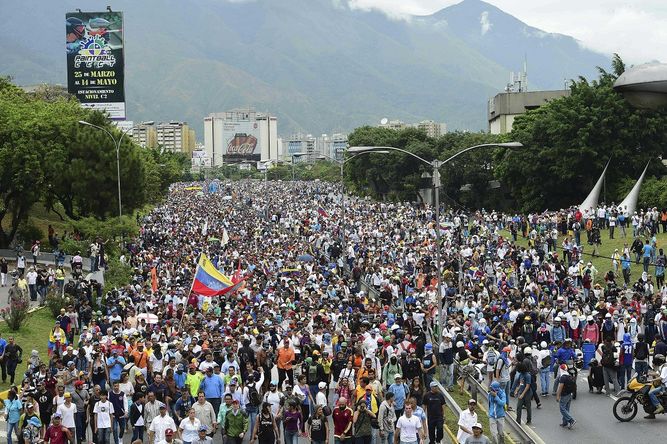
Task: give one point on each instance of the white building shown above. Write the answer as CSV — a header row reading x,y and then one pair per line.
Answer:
x,y
240,136
333,146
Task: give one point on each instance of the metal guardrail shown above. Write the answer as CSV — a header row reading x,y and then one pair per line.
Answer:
x,y
524,435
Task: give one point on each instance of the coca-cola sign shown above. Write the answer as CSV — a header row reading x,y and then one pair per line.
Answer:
x,y
242,144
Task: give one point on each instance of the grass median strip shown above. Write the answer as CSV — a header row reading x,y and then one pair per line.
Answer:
x,y
32,336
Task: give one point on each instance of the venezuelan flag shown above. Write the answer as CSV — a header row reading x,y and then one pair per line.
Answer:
x,y
209,281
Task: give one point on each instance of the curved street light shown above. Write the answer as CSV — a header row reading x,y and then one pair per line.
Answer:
x,y
117,146
435,164
342,163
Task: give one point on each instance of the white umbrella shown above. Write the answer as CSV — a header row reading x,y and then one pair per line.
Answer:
x,y
150,318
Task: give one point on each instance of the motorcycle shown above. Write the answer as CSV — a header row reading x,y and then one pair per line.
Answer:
x,y
626,407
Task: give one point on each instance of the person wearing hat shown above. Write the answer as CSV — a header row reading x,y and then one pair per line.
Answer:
x,y
566,388
202,437
477,436
213,388
401,392
169,437
497,400
67,412
434,407
32,430
429,363
235,425
160,425
467,419
56,432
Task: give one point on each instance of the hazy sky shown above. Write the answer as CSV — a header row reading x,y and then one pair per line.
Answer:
x,y
636,29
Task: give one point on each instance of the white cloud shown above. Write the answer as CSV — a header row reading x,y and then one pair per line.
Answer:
x,y
636,30
485,22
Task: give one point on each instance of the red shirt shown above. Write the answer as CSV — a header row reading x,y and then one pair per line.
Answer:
x,y
341,419
56,435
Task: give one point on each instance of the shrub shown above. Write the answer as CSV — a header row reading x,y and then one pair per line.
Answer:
x,y
29,232
71,246
16,314
117,274
56,301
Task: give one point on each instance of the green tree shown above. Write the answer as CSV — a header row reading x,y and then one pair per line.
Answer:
x,y
569,140
23,133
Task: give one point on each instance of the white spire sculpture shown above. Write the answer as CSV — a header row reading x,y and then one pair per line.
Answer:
x,y
629,204
591,201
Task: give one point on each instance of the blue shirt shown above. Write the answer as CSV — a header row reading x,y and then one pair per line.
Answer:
x,y
179,379
399,391
212,387
524,380
13,410
648,250
115,367
3,344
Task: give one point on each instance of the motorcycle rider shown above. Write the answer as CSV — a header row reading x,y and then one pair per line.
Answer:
x,y
660,377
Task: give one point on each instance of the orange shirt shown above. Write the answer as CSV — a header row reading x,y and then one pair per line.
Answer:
x,y
140,359
285,358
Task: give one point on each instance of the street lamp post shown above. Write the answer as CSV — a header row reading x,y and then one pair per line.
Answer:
x,y
435,164
292,158
117,146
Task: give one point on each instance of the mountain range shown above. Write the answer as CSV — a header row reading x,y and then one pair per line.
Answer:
x,y
318,65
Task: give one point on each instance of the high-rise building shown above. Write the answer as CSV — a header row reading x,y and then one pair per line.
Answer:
x,y
333,146
145,135
300,143
240,136
505,107
173,136
431,128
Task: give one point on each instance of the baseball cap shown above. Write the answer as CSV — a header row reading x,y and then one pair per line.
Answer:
x,y
57,415
433,384
397,376
67,395
162,406
203,428
322,385
169,432
477,426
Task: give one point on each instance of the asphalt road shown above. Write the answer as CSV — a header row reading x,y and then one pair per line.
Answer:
x,y
595,420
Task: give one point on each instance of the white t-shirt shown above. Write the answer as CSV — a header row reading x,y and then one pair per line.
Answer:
x,y
467,420
160,424
190,429
104,411
409,427
68,415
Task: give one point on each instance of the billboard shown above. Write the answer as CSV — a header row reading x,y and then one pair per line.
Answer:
x,y
241,142
95,63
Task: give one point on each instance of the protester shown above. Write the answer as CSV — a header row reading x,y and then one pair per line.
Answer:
x,y
312,313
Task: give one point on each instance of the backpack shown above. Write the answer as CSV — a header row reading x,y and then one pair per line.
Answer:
x,y
491,358
528,328
533,365
607,356
253,395
312,374
546,361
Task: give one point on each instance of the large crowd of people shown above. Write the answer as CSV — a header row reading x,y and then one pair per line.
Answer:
x,y
334,328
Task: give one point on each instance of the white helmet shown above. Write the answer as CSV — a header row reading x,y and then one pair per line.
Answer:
x,y
460,344
557,319
527,351
543,344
